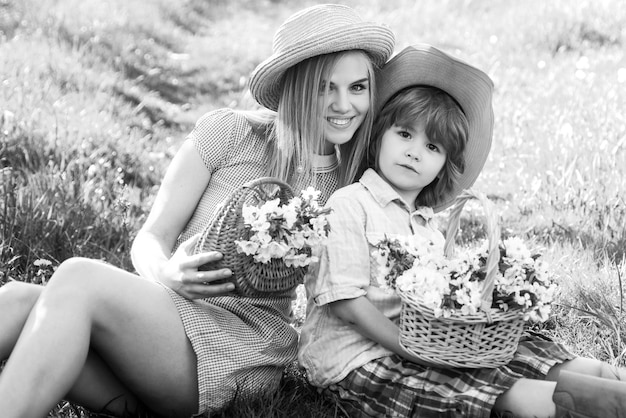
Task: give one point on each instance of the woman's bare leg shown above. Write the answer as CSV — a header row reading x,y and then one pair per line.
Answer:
x,y
95,384
130,322
16,301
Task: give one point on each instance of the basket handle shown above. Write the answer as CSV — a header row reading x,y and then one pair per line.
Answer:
x,y
254,186
493,236
266,180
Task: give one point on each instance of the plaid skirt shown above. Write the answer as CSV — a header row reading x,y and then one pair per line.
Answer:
x,y
394,387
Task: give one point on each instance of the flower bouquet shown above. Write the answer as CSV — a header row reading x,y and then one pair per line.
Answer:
x,y
266,235
466,309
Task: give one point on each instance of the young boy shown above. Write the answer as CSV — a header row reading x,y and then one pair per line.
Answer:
x,y
430,141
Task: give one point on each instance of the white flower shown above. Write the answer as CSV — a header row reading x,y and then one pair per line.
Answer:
x,y
250,214
247,247
516,250
277,249
286,232
262,256
456,285
522,299
319,223
260,225
311,194
379,267
540,314
295,203
297,260
290,215
297,240
263,237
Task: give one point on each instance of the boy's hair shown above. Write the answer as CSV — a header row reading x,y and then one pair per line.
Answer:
x,y
298,128
444,123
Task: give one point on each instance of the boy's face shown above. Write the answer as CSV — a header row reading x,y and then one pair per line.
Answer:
x,y
409,161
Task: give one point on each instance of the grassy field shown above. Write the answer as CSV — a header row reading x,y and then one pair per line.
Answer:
x,y
96,97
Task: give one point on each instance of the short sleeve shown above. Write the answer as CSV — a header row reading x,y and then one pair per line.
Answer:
x,y
213,135
344,270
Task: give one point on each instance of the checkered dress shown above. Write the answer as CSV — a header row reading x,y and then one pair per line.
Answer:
x,y
242,344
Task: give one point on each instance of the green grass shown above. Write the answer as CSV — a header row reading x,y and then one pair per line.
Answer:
x,y
95,98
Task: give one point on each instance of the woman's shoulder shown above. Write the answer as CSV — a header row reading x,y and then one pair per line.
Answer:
x,y
221,116
234,121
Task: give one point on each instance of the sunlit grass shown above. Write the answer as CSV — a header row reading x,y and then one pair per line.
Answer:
x,y
95,98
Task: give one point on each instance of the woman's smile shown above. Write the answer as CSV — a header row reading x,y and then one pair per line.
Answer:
x,y
340,122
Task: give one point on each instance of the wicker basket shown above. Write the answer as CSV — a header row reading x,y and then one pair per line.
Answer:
x,y
227,225
487,339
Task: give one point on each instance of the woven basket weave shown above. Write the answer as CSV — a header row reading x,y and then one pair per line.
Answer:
x,y
227,225
487,339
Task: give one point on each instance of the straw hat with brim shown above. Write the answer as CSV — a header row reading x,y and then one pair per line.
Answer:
x,y
469,86
317,30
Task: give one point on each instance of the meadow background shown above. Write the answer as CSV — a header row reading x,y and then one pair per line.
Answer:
x,y
97,96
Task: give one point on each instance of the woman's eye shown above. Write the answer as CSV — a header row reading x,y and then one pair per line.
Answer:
x,y
359,87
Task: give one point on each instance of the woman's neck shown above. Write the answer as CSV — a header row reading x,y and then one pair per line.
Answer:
x,y
327,148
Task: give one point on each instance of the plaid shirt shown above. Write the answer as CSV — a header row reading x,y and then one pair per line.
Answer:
x,y
362,214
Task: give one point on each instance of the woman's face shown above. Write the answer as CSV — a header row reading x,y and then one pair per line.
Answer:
x,y
348,99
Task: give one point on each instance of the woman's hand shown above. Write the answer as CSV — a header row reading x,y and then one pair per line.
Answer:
x,y
182,188
181,273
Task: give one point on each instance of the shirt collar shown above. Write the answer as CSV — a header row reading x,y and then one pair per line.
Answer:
x,y
380,190
384,194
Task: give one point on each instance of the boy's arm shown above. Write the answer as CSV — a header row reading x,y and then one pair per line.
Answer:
x,y
371,323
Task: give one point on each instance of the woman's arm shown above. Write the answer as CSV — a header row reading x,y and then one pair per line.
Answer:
x,y
182,187
371,323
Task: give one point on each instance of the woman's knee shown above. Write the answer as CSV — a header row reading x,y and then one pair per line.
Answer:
x,y
17,299
79,269
19,294
72,268
76,277
26,294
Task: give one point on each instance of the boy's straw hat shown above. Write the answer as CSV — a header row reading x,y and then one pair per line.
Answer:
x,y
317,30
426,65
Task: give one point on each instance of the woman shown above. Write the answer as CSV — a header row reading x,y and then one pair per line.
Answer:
x,y
168,340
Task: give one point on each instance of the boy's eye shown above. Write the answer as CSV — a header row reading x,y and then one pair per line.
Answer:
x,y
437,149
